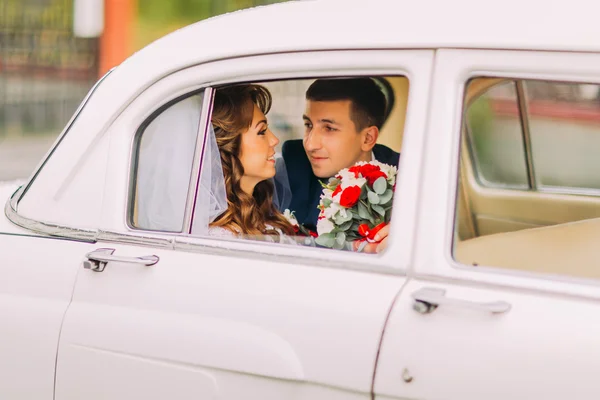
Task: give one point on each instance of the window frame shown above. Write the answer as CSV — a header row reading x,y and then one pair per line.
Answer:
x,y
207,92
415,64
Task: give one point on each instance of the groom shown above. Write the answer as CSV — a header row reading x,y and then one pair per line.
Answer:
x,y
342,121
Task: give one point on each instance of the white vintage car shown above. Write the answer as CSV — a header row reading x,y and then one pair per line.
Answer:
x,y
489,287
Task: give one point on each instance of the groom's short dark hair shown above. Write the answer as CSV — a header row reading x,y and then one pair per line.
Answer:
x,y
368,101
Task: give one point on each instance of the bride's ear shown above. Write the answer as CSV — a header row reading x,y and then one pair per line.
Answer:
x,y
369,138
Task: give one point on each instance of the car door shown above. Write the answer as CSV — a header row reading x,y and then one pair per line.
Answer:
x,y
172,315
37,276
484,330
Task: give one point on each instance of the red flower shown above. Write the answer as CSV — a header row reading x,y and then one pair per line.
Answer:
x,y
337,190
313,234
363,230
350,196
371,173
371,177
355,170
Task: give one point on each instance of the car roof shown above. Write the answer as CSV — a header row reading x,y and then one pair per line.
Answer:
x,y
376,24
343,24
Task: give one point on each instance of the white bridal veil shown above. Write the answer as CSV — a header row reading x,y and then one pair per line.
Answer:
x,y
164,169
165,163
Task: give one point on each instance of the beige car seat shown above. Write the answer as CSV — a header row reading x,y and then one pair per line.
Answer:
x,y
568,249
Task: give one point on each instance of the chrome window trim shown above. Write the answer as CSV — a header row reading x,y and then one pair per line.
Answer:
x,y
48,229
192,244
190,203
64,132
525,133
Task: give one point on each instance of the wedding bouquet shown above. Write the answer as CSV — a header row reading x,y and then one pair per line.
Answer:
x,y
299,230
356,204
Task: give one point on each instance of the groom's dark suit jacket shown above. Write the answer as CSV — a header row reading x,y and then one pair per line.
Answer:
x,y
306,190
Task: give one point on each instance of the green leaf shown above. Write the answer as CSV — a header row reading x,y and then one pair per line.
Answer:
x,y
373,198
363,211
340,238
326,202
340,218
345,226
380,185
378,209
326,240
386,196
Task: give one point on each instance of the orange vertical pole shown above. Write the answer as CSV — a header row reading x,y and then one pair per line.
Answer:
x,y
115,43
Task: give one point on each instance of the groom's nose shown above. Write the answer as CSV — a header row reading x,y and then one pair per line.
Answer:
x,y
312,140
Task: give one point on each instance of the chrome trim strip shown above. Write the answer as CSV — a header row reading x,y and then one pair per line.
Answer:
x,y
10,210
138,240
524,116
217,247
198,158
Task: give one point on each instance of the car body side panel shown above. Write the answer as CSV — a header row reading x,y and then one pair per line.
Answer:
x,y
195,324
37,276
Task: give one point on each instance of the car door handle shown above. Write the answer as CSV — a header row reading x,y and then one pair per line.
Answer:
x,y
97,259
428,299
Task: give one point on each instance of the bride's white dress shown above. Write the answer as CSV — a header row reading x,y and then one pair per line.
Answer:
x,y
280,238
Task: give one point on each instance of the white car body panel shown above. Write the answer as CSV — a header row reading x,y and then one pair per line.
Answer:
x,y
222,324
35,291
545,346
273,320
233,319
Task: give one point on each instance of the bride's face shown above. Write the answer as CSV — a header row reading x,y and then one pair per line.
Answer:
x,y
257,152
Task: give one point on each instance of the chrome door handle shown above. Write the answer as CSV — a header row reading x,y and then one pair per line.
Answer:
x,y
97,259
428,299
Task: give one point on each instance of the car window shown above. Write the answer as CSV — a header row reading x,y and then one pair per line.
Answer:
x,y
535,135
528,183
496,135
284,204
255,180
564,124
164,156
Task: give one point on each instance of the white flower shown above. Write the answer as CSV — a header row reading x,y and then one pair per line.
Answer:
x,y
327,193
324,226
360,182
289,215
333,209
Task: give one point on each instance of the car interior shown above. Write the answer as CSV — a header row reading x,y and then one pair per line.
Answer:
x,y
549,230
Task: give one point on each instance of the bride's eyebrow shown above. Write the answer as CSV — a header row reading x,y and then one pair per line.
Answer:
x,y
260,122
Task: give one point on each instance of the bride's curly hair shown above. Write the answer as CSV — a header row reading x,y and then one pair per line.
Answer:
x,y
233,110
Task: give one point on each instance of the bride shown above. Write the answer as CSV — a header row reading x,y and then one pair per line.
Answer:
x,y
246,148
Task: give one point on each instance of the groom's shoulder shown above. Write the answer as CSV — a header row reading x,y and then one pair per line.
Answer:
x,y
386,155
294,155
293,148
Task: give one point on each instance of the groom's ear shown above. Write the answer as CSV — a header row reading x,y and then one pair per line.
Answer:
x,y
369,138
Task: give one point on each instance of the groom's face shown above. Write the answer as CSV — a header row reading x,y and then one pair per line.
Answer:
x,y
331,139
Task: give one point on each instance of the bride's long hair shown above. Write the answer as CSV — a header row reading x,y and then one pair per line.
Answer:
x,y
233,110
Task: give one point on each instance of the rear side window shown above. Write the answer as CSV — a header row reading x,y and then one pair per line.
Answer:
x,y
530,134
165,154
496,134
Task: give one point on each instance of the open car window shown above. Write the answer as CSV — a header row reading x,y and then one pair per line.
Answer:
x,y
165,152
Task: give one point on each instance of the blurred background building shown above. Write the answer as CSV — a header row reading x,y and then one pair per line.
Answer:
x,y
46,69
